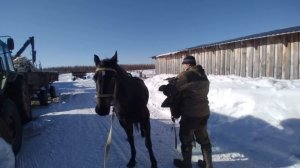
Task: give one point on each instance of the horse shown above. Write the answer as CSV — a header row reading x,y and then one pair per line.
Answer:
x,y
129,96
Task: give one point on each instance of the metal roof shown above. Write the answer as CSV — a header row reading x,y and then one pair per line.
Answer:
x,y
250,37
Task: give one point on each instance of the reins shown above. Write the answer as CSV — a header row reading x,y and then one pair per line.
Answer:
x,y
114,95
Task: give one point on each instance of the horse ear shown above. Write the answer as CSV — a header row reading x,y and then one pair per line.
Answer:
x,y
115,57
96,59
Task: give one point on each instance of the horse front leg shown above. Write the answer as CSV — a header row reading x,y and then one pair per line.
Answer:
x,y
128,127
148,143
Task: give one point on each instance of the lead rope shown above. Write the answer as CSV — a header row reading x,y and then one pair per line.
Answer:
x,y
109,136
175,134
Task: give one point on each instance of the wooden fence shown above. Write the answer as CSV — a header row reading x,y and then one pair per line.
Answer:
x,y
273,56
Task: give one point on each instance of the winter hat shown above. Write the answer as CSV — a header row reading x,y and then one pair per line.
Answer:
x,y
189,60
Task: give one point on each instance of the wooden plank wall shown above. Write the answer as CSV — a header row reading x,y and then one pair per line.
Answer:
x,y
277,57
256,60
295,56
249,58
237,55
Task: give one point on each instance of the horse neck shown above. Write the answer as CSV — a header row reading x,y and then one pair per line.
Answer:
x,y
121,73
122,78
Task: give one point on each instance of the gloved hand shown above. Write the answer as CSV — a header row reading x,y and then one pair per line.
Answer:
x,y
162,88
173,119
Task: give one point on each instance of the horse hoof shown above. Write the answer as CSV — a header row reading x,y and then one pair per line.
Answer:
x,y
131,164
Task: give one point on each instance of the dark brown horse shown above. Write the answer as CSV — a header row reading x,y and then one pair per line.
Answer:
x,y
129,96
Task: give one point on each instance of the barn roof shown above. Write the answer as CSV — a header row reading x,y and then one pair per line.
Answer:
x,y
250,37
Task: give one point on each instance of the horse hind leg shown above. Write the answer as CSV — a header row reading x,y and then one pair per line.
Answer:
x,y
128,127
142,130
148,143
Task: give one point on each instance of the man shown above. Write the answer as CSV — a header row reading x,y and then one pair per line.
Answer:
x,y
191,104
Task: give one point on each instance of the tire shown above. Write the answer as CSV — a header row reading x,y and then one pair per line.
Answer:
x,y
11,126
52,92
21,96
43,97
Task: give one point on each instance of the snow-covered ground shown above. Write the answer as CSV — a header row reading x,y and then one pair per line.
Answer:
x,y
254,124
7,158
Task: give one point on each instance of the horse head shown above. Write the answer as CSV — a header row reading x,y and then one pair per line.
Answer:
x,y
106,83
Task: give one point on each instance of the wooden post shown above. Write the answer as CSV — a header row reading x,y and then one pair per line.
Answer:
x,y
158,65
206,60
270,57
197,57
209,60
232,60
263,53
249,65
295,56
237,54
213,57
286,61
203,57
256,60
166,64
279,57
243,59
218,60
176,64
161,61
227,59
223,51
161,64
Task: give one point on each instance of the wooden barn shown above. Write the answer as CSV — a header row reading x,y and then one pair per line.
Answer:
x,y
270,54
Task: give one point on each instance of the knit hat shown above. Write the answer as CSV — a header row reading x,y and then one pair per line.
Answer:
x,y
189,60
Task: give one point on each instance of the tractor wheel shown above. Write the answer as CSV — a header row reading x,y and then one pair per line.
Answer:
x,y
43,97
52,92
11,126
22,99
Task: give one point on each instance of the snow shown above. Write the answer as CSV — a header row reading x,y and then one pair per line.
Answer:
x,y
7,158
254,123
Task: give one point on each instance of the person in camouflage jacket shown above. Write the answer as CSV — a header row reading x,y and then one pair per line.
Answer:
x,y
192,105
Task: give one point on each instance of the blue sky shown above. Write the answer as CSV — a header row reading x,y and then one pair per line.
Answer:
x,y
70,32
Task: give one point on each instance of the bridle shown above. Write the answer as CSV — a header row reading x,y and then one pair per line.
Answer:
x,y
102,95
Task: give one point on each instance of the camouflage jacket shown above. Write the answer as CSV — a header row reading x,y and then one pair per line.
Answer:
x,y
193,87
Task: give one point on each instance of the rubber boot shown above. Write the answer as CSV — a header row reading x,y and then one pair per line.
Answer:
x,y
201,163
207,156
187,159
